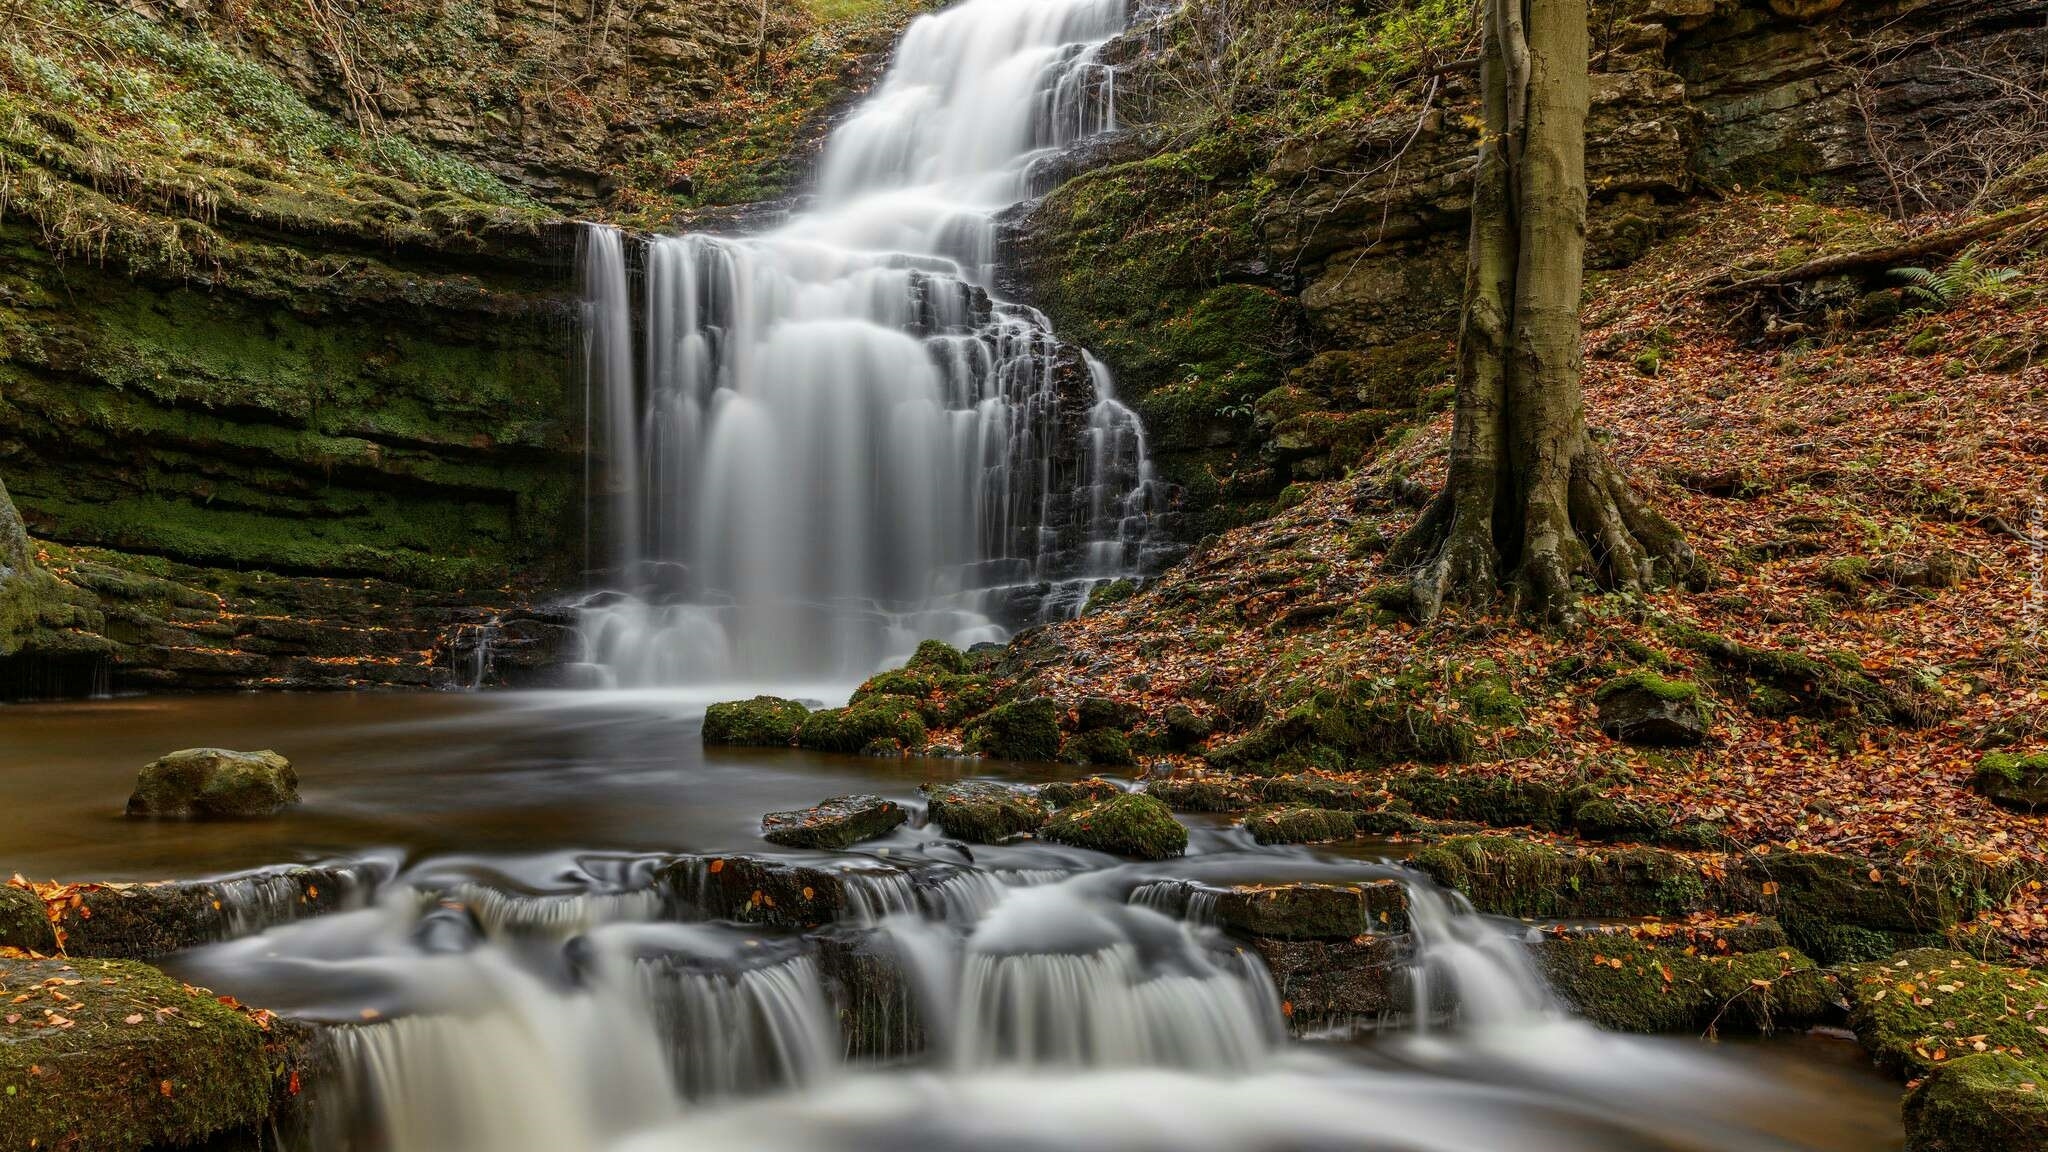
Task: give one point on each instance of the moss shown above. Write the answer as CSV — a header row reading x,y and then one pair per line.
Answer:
x,y
1109,594
1304,911
1646,681
1832,686
765,721
1132,824
190,1068
1365,723
1067,792
1104,746
1499,801
1840,908
214,784
1299,824
1020,730
1846,573
983,813
1984,1102
1510,877
1205,793
837,823
1321,792
854,727
1629,983
1292,495
23,923
1598,817
1916,1010
939,658
2012,780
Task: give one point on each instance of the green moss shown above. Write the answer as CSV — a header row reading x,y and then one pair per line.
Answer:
x,y
1298,824
215,784
23,923
1366,723
1303,911
1630,984
1600,817
856,726
1646,681
190,1068
939,658
1840,908
1205,793
1510,877
1499,801
1065,792
1108,594
765,721
1321,792
1131,824
2012,780
1911,1007
1104,746
1020,730
1984,1102
983,813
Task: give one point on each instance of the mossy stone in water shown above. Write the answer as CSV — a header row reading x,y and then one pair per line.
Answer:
x,y
1100,746
764,721
939,657
840,822
1021,730
23,923
214,784
1132,824
1067,792
1983,1102
1909,1007
187,1069
1205,793
1299,824
1627,984
983,813
856,727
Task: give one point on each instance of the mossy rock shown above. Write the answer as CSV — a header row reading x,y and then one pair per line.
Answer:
x,y
1205,793
1108,595
1841,909
1101,746
1094,713
1321,792
1299,824
1020,730
764,721
1065,792
23,923
1306,911
1186,728
1132,824
1629,984
909,683
942,698
187,1069
2010,780
1983,1102
1366,723
1510,877
983,813
1498,801
1916,1010
214,784
1599,817
939,658
855,727
1647,709
840,822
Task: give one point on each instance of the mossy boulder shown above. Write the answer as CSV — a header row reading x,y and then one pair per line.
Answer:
x,y
1305,911
2010,780
1499,801
1094,713
1020,730
938,657
1917,1010
1205,793
1186,728
23,923
1322,792
840,822
1982,1102
1132,824
1108,595
1841,909
1506,876
1647,709
982,812
1368,723
1597,816
1065,792
764,721
115,1056
857,727
1677,982
214,784
1299,824
1105,746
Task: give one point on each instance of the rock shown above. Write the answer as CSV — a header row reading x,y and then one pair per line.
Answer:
x,y
764,721
1132,824
1909,1006
1299,824
1678,982
880,1017
1805,10
1100,746
840,822
23,923
1315,911
857,726
756,891
1646,709
937,656
144,921
1186,729
1321,792
1334,983
2013,781
983,813
1983,1102
115,1056
1022,730
1067,792
1094,713
1205,793
1506,876
214,784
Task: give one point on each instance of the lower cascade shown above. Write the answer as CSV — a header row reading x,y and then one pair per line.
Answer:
x,y
822,444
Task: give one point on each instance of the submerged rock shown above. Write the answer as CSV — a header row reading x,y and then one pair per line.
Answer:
x,y
1645,708
764,721
1983,1102
2013,781
984,813
840,822
214,784
1132,824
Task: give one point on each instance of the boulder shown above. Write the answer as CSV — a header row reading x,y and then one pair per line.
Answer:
x,y
1022,730
2013,781
1645,708
1983,1102
214,784
840,822
23,923
1099,746
868,726
1205,793
1304,911
1067,792
983,813
1132,824
1299,824
764,721
1663,978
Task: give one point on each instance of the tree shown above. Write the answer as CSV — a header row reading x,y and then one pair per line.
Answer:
x,y
1532,501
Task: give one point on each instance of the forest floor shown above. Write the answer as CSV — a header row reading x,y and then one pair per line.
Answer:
x,y
1822,475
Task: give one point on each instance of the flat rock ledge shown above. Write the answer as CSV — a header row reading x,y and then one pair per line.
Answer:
x,y
840,822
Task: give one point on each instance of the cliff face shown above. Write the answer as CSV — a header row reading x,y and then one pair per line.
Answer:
x,y
1278,286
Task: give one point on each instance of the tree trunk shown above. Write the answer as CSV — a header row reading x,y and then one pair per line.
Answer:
x,y
1531,502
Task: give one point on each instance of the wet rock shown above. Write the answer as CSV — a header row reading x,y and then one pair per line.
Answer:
x,y
143,921
1498,801
1645,708
755,891
214,784
1186,728
1315,911
1909,1006
1839,908
764,721
1094,713
1299,824
448,928
1334,983
1105,746
1676,981
839,822
2013,781
1065,792
983,813
1205,793
1132,824
1022,730
1321,792
1507,876
1983,1102
872,991
23,923
115,1056
857,726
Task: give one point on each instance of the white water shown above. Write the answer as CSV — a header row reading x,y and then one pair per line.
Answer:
x,y
830,442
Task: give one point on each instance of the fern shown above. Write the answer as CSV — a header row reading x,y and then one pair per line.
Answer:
x,y
1966,277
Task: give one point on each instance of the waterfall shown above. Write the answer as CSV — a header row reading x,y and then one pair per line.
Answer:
x,y
833,442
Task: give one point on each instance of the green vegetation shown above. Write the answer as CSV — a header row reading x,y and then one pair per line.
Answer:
x,y
1299,824
23,923
983,813
1129,824
1206,793
1917,1010
1985,1102
1511,877
2014,780
764,721
883,725
1019,730
1637,983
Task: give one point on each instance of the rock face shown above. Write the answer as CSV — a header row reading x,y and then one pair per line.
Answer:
x,y
840,822
1644,708
214,784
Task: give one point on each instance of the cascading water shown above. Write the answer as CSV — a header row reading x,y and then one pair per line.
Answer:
x,y
832,442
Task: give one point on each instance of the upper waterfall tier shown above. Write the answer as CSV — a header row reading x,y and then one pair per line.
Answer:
x,y
825,443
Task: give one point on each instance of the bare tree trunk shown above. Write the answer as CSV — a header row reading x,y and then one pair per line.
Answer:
x,y
1531,502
